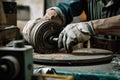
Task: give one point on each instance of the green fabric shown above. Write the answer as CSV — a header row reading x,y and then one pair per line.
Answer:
x,y
89,76
95,9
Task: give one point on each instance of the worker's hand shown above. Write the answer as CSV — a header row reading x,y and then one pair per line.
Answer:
x,y
73,34
52,15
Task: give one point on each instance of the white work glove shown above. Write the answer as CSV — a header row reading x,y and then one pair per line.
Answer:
x,y
75,33
44,70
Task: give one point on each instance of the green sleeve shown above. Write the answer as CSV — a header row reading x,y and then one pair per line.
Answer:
x,y
71,8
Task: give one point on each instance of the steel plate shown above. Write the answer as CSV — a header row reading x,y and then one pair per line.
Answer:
x,y
85,57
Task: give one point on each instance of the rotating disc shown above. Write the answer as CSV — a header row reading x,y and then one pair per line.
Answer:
x,y
40,34
79,57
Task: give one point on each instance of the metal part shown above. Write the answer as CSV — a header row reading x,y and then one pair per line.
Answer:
x,y
43,36
78,57
8,34
16,63
9,67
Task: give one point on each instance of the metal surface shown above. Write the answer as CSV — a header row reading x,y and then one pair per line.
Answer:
x,y
78,57
40,36
9,67
16,63
8,34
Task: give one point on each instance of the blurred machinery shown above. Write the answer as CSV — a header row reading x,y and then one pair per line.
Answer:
x,y
15,58
16,62
8,29
43,35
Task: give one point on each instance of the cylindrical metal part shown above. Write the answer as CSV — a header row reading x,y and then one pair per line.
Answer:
x,y
39,32
9,67
53,39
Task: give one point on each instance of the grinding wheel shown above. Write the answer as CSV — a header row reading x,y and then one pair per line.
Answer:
x,y
83,56
40,35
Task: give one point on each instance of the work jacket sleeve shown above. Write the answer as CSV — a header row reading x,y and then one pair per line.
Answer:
x,y
70,9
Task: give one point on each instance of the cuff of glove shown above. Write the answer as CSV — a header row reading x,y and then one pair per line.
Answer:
x,y
60,13
87,28
90,28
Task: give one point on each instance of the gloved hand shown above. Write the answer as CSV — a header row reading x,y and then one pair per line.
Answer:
x,y
44,70
75,33
51,14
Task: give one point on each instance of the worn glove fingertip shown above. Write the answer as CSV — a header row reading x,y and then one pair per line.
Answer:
x,y
60,44
69,49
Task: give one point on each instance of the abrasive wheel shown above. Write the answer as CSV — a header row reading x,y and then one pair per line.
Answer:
x,y
79,57
41,36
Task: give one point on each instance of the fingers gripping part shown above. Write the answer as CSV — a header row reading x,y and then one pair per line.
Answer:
x,y
74,33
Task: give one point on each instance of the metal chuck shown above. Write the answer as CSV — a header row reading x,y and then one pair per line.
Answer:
x,y
43,36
